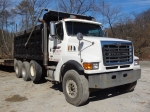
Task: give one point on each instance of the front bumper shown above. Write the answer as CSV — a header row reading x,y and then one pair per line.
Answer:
x,y
107,80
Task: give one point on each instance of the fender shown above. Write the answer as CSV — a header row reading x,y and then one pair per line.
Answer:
x,y
71,64
74,64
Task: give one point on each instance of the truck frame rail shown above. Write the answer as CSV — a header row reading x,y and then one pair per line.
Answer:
x,y
7,62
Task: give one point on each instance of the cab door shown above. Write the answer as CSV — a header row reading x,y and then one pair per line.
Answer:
x,y
56,44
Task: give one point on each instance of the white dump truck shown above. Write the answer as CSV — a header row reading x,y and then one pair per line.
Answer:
x,y
72,49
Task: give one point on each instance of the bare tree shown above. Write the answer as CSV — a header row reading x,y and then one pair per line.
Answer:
x,y
137,30
27,10
76,6
4,13
123,28
111,14
5,18
141,32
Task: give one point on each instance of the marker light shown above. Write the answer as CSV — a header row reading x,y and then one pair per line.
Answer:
x,y
91,66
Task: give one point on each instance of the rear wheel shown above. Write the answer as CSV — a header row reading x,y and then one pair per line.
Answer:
x,y
18,68
35,71
75,88
127,87
26,71
15,61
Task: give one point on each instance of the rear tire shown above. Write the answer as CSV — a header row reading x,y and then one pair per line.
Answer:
x,y
18,68
15,61
35,71
26,71
127,87
75,88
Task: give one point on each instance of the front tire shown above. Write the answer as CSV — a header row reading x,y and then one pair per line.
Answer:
x,y
26,71
75,88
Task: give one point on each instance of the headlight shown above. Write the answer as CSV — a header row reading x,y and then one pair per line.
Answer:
x,y
136,62
91,66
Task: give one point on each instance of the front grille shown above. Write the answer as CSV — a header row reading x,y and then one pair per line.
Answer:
x,y
117,53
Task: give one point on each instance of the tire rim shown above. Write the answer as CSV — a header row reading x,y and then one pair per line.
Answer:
x,y
32,70
71,88
23,72
17,70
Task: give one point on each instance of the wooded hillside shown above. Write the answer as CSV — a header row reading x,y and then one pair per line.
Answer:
x,y
19,16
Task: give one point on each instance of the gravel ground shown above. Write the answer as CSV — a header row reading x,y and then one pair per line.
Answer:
x,y
17,95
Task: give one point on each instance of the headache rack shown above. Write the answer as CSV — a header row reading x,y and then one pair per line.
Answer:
x,y
58,15
117,52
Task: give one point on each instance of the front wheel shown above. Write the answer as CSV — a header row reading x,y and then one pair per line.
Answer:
x,y
75,88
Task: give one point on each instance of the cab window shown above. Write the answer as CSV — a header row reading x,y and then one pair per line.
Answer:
x,y
59,31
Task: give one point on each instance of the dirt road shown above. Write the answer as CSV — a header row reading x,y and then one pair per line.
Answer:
x,y
17,95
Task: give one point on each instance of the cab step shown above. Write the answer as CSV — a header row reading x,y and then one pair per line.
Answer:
x,y
48,78
51,67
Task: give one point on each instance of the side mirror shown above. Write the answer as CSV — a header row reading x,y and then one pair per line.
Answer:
x,y
79,36
52,29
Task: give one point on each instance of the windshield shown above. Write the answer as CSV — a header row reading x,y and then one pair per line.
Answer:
x,y
86,29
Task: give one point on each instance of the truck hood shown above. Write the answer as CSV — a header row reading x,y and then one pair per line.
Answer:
x,y
90,38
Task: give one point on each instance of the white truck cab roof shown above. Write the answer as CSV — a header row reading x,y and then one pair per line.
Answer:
x,y
82,20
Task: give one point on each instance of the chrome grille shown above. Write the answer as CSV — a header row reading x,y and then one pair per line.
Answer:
x,y
117,53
